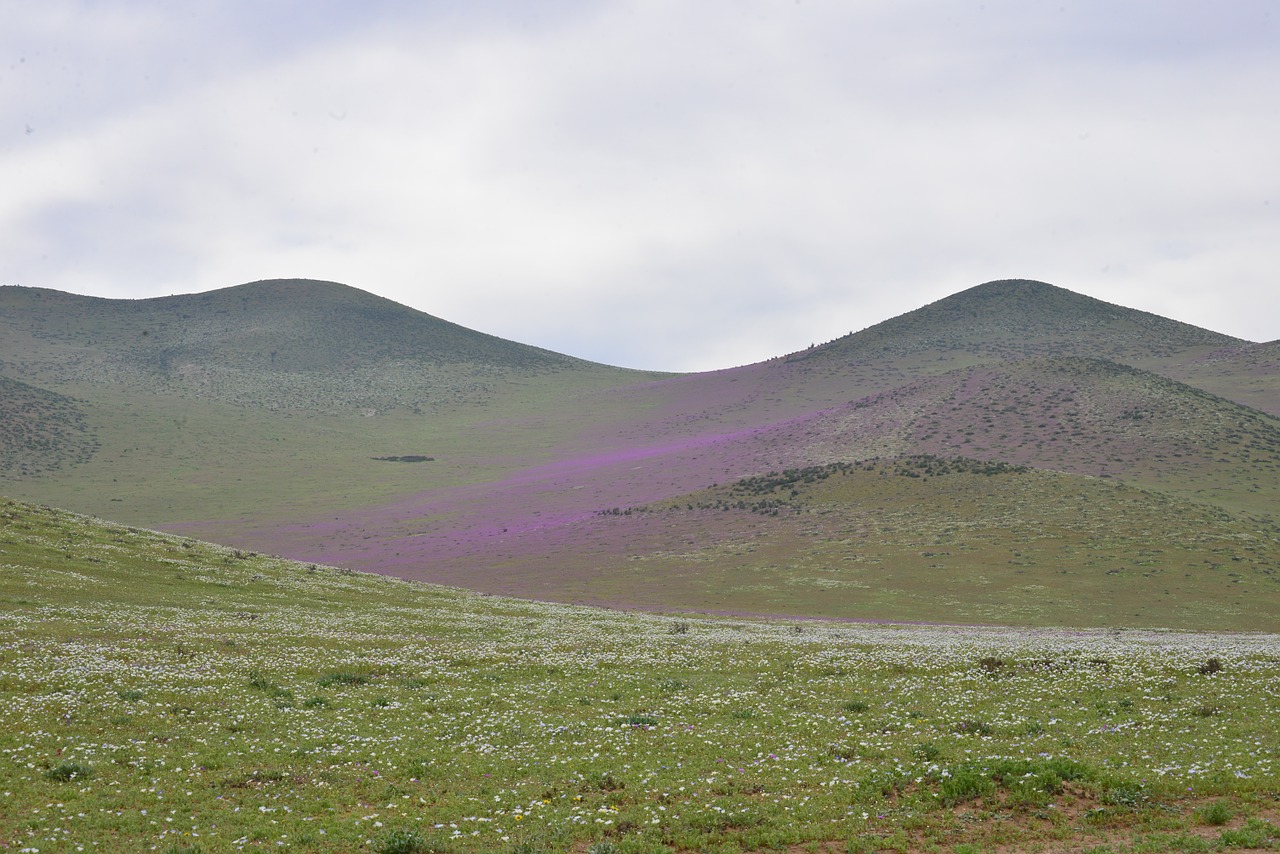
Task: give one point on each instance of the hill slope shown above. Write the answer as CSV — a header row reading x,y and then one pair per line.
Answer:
x,y
1020,318
289,344
40,431
1245,373
243,416
994,322
263,703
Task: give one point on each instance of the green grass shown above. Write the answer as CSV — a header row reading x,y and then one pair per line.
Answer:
x,y
169,459
891,541
158,693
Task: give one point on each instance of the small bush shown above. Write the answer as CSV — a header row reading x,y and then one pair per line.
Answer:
x,y
1216,813
1213,665
856,706
605,782
65,772
402,842
1128,795
964,784
1256,833
259,680
972,728
927,751
680,628
991,664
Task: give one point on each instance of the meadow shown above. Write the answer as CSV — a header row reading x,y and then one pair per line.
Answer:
x,y
158,693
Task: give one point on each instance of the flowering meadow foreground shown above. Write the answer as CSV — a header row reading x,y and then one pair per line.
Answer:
x,y
162,694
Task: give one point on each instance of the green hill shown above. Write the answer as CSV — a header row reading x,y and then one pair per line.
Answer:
x,y
1019,318
40,431
282,417
906,538
283,344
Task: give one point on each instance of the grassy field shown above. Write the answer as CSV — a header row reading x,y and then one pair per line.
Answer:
x,y
909,539
162,694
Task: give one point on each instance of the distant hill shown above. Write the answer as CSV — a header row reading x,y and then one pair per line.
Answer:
x,y
1246,373
1125,443
997,322
288,344
1073,414
1017,319
40,431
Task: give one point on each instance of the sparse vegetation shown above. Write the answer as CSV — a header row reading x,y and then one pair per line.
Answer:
x,y
132,689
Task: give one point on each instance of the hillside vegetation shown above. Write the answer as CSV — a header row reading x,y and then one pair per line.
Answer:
x,y
276,416
40,431
281,344
917,538
158,693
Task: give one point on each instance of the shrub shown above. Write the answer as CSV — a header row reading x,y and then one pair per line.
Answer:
x,y
1216,813
1213,665
65,772
964,784
972,728
856,706
259,680
928,751
1256,833
1126,795
402,842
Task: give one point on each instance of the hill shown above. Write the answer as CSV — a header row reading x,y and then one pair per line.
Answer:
x,y
281,344
1245,373
1080,415
409,446
40,431
1020,318
1000,321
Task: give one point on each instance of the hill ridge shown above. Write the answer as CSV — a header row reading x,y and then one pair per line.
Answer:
x,y
1017,318
275,343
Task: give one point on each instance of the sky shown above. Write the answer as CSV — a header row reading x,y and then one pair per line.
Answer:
x,y
656,184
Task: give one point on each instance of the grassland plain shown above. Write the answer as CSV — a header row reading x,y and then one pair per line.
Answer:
x,y
157,693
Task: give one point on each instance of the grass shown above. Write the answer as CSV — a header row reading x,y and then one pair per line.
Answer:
x,y
181,414
156,692
887,540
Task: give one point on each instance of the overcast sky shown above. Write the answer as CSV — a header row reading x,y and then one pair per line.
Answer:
x,y
672,185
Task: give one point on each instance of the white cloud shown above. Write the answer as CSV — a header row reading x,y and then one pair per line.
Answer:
x,y
655,184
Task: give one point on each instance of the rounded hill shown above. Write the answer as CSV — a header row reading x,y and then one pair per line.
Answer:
x,y
284,343
1020,318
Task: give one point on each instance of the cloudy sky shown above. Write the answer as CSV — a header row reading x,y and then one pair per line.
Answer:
x,y
671,185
